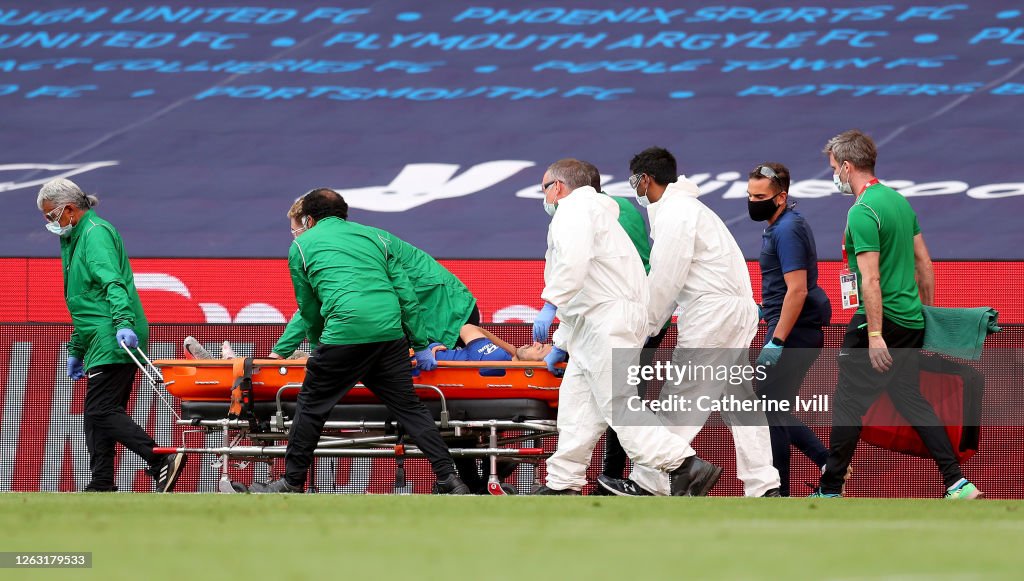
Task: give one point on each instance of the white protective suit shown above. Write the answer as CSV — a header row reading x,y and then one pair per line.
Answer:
x,y
697,265
594,276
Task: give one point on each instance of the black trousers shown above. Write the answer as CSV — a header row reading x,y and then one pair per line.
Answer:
x,y
614,454
106,421
860,385
382,367
782,382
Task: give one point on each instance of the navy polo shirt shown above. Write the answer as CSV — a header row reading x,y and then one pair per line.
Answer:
x,y
788,245
479,349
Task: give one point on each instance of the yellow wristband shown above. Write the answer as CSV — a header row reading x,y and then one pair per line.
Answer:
x,y
874,333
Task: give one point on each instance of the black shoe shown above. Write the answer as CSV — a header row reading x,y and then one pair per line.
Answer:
x,y
93,487
543,490
278,486
694,477
620,487
166,473
451,485
773,493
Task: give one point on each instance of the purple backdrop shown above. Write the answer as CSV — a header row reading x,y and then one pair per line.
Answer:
x,y
199,125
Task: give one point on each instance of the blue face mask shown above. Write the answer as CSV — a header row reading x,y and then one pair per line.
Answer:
x,y
55,226
550,208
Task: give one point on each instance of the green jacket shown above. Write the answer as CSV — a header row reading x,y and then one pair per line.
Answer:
x,y
447,303
351,288
99,289
633,223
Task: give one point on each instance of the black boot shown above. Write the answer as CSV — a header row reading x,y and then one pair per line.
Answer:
x,y
694,477
451,484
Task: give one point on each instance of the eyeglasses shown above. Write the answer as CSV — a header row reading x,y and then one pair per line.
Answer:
x,y
49,215
544,187
634,180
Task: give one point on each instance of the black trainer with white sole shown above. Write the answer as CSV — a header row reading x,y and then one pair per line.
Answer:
x,y
620,486
167,472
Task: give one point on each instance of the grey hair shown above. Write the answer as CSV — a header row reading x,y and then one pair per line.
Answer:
x,y
62,191
571,172
855,147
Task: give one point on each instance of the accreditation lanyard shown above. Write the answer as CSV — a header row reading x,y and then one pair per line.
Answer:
x,y
848,280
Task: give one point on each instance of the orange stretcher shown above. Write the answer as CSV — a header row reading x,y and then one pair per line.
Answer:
x,y
483,410
210,380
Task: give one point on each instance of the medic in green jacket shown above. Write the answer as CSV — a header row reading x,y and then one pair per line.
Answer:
x,y
351,287
447,303
99,289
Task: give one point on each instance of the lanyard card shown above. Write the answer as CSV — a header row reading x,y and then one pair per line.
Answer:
x,y
848,289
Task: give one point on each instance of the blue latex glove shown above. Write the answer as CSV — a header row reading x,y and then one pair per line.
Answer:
x,y
542,323
554,358
432,345
425,360
129,337
770,354
75,369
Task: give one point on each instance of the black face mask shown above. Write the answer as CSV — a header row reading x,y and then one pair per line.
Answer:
x,y
761,210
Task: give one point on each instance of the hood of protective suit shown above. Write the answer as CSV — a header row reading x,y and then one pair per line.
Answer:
x,y
681,187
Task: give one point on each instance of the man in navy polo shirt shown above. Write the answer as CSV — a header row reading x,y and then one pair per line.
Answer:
x,y
795,308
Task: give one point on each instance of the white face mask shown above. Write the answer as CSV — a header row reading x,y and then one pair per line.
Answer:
x,y
296,232
55,226
550,208
844,188
643,200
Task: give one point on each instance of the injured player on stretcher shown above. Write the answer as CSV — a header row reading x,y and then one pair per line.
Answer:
x,y
481,345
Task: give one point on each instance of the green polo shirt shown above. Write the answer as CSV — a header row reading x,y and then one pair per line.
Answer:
x,y
882,221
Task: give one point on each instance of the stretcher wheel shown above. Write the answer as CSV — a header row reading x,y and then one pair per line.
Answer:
x,y
500,489
231,487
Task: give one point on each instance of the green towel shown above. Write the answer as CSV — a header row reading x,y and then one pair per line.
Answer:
x,y
958,332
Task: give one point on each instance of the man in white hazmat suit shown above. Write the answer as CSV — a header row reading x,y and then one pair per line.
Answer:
x,y
595,278
697,265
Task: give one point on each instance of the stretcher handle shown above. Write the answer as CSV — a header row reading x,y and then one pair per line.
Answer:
x,y
155,382
144,368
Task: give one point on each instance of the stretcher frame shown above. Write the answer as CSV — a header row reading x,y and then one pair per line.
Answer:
x,y
356,439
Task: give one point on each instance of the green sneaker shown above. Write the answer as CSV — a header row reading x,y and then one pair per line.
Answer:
x,y
964,491
819,494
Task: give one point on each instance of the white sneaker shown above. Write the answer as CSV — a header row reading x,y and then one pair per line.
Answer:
x,y
195,350
226,352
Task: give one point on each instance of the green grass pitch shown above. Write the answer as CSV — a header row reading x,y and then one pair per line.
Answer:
x,y
145,536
